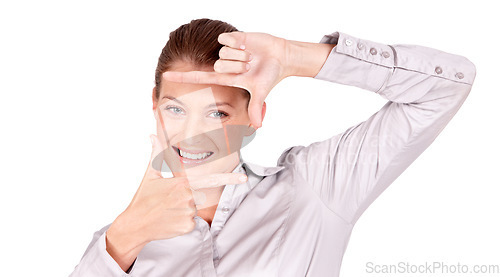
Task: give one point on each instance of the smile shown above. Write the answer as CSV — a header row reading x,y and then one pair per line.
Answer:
x,y
190,156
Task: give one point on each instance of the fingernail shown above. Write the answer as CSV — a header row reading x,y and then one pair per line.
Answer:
x,y
242,46
243,178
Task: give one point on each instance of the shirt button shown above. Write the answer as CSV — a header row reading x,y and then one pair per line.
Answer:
x,y
348,42
361,46
373,51
459,75
386,54
438,70
225,210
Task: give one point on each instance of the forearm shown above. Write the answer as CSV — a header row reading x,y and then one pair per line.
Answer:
x,y
305,59
97,261
122,247
425,88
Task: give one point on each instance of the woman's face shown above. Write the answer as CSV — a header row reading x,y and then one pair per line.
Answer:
x,y
201,126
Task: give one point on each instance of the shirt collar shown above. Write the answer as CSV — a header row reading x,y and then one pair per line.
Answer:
x,y
255,174
257,169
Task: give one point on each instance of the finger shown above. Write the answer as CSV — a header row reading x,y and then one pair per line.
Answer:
x,y
216,180
223,66
234,39
199,77
228,53
154,168
255,111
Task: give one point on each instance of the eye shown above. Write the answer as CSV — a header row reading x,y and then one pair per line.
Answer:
x,y
175,110
218,114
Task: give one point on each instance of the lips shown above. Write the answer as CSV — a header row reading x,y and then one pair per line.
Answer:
x,y
193,156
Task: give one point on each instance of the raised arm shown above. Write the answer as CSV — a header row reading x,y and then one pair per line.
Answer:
x,y
425,88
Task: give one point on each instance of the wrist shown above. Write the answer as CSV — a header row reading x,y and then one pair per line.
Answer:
x,y
123,245
305,59
126,231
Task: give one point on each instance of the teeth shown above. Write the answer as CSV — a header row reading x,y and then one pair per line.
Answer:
x,y
198,156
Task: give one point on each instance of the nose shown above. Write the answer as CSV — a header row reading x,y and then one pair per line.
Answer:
x,y
194,130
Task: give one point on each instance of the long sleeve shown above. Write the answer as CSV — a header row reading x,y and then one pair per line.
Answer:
x,y
425,88
96,261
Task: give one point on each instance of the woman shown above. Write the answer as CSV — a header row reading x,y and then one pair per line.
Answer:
x,y
293,219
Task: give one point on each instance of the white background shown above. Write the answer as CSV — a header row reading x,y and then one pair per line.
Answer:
x,y
75,111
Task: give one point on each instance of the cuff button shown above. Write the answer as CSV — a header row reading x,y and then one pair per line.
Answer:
x,y
459,75
373,51
385,54
348,42
361,46
438,70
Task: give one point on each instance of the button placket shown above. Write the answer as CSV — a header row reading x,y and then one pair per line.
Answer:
x,y
207,253
220,216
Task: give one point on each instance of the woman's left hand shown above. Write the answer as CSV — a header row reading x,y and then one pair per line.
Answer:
x,y
266,57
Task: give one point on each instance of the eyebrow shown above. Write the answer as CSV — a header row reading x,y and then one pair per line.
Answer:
x,y
208,106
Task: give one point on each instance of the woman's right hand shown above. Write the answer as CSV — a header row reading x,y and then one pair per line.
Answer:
x,y
162,208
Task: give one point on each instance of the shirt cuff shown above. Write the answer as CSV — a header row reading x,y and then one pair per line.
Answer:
x,y
353,61
370,65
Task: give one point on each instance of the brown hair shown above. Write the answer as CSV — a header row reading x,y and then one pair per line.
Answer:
x,y
196,43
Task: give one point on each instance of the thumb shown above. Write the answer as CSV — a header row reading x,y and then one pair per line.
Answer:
x,y
156,161
255,111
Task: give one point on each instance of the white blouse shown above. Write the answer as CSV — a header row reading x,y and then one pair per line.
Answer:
x,y
295,219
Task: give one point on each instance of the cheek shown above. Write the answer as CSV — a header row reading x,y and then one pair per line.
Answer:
x,y
168,130
229,138
170,127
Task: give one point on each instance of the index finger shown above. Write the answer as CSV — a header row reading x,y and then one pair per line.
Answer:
x,y
199,77
154,167
234,39
216,180
156,161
